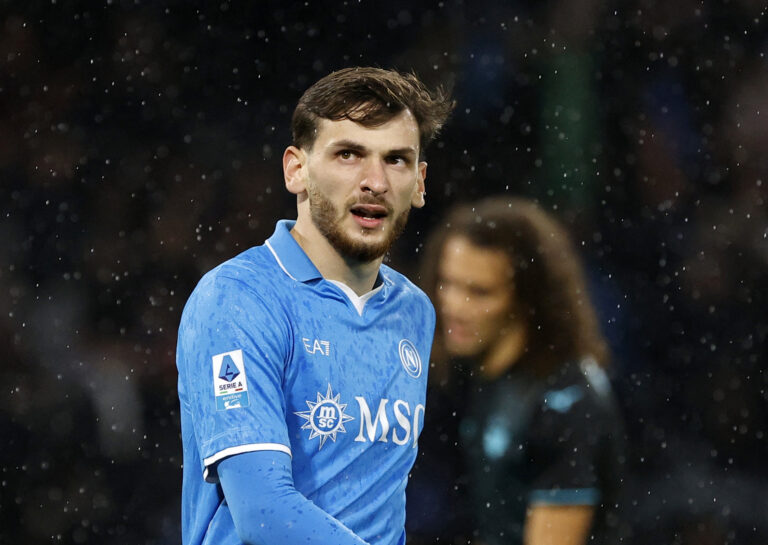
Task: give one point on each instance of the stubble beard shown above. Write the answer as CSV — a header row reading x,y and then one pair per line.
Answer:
x,y
328,220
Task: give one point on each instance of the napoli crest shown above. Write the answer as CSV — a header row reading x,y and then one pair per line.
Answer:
x,y
325,417
410,358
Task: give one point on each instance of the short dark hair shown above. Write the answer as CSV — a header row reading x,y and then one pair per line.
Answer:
x,y
370,96
549,282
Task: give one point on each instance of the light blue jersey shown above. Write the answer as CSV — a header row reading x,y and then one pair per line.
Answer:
x,y
271,356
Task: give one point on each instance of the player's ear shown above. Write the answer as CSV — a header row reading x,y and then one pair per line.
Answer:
x,y
419,196
295,169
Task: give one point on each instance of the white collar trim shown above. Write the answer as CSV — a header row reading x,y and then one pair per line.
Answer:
x,y
357,300
274,253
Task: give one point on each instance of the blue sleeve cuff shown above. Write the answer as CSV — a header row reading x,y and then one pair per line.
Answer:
x,y
210,474
565,496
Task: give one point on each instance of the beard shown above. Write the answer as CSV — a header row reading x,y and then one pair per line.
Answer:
x,y
328,219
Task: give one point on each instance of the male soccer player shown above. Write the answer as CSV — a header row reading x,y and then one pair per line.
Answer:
x,y
302,362
523,394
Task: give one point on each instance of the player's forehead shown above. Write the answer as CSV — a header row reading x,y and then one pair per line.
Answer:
x,y
399,132
463,261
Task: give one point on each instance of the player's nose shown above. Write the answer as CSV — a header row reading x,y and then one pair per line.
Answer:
x,y
374,177
453,302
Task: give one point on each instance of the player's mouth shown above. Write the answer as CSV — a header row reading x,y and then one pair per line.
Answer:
x,y
369,216
458,331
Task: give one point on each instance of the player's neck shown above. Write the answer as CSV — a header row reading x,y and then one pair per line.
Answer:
x,y
506,352
359,276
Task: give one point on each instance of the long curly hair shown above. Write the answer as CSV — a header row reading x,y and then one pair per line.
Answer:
x,y
548,281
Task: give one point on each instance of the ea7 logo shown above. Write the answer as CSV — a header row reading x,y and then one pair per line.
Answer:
x,y
324,347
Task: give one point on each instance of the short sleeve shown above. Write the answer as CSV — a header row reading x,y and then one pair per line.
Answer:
x,y
231,354
566,439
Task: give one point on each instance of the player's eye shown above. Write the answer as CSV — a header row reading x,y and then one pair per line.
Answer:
x,y
479,291
397,160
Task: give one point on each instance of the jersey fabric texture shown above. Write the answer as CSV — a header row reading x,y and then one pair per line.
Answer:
x,y
271,356
527,441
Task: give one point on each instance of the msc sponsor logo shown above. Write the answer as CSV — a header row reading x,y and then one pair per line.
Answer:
x,y
403,422
396,421
325,417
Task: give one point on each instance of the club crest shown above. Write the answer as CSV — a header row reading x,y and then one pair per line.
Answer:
x,y
410,358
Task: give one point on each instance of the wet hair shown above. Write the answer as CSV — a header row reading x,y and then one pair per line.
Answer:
x,y
371,97
549,285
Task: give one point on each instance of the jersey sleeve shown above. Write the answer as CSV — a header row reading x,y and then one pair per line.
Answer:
x,y
566,439
278,513
231,354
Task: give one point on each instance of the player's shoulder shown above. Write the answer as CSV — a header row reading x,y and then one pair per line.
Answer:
x,y
250,274
579,387
403,285
405,288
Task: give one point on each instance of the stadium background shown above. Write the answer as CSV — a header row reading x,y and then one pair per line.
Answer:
x,y
140,145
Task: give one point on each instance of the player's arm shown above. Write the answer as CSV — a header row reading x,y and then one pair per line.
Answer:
x,y
566,445
266,507
244,445
558,524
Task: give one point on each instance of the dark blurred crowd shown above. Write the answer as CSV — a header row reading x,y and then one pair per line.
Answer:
x,y
140,145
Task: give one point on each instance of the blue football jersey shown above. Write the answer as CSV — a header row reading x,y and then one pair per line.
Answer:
x,y
271,356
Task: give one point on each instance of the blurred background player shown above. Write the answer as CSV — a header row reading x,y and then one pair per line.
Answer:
x,y
523,442
301,382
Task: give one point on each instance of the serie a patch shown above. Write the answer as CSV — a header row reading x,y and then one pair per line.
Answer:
x,y
229,381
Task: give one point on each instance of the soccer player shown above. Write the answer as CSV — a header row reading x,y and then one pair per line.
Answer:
x,y
531,409
303,362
